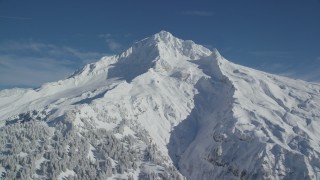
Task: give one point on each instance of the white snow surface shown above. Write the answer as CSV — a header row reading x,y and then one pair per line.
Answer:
x,y
209,117
65,174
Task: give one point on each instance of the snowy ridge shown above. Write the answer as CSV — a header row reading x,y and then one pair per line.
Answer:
x,y
165,108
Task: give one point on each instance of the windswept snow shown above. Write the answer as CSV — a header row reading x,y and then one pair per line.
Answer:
x,y
165,108
65,174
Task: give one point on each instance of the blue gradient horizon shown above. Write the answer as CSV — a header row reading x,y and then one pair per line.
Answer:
x,y
280,37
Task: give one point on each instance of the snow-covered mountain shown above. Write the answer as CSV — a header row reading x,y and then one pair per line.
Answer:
x,y
163,109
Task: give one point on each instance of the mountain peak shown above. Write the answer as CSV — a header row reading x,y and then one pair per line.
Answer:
x,y
164,35
170,46
162,45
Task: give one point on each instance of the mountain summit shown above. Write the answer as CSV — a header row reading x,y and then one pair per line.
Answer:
x,y
165,108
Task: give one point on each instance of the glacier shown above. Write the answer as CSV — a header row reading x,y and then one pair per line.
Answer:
x,y
165,108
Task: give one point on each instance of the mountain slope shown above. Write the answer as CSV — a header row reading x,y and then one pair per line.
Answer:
x,y
165,108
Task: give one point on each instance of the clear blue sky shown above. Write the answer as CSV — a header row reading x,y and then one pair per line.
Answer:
x,y
44,41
